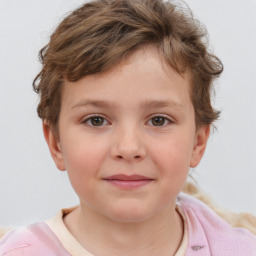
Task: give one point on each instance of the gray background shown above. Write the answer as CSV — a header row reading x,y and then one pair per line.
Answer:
x,y
32,189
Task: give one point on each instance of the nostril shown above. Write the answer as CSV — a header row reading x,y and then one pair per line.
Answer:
x,y
134,157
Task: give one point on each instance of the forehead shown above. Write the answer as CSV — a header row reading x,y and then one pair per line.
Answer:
x,y
143,75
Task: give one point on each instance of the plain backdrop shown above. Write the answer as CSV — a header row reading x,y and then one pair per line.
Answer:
x,y
32,189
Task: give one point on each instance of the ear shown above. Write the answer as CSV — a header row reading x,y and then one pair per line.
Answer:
x,y
201,139
54,146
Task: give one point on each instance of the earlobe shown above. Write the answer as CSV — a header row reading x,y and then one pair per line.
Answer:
x,y
200,145
54,146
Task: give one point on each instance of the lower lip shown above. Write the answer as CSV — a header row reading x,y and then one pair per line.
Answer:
x,y
129,184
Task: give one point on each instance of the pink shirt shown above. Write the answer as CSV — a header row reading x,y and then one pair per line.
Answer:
x,y
211,235
208,235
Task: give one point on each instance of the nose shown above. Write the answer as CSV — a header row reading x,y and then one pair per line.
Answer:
x,y
128,144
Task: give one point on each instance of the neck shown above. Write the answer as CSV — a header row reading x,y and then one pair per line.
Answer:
x,y
159,235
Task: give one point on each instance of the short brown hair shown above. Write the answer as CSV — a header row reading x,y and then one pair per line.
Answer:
x,y
100,33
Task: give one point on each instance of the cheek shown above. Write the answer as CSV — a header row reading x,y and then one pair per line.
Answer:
x,y
177,151
83,170
80,152
173,159
83,161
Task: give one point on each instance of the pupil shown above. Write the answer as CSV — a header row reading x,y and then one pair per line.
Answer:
x,y
97,121
158,121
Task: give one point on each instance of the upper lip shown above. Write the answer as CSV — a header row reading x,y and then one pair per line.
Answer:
x,y
127,177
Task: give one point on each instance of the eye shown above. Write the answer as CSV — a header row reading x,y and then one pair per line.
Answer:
x,y
159,121
95,121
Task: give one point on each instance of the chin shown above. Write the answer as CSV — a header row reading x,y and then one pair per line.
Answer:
x,y
129,215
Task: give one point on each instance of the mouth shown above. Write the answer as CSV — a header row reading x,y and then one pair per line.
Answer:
x,y
128,181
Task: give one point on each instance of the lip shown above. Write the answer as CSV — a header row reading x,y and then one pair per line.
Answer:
x,y
128,181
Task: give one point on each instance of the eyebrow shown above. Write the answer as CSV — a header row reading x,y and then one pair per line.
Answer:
x,y
94,103
162,104
145,104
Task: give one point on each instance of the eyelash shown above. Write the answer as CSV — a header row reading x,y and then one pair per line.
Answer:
x,y
165,119
90,118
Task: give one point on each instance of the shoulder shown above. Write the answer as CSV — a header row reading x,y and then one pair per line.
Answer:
x,y
36,239
207,230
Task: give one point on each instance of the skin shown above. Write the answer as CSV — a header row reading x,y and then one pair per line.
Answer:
x,y
145,125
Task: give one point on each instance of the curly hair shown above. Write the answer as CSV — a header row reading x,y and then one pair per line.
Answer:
x,y
99,34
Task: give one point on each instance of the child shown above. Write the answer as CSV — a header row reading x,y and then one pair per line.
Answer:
x,y
126,108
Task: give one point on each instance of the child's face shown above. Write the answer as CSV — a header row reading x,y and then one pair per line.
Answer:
x,y
127,138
